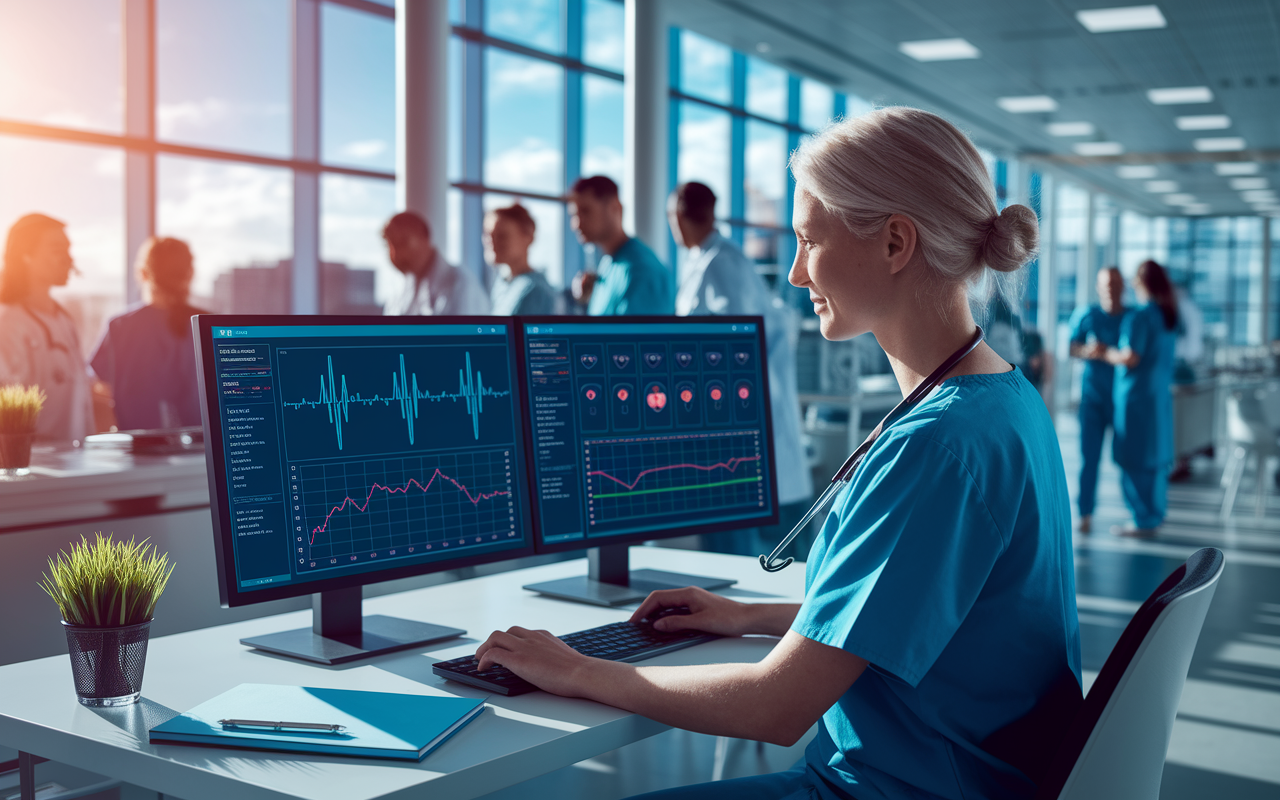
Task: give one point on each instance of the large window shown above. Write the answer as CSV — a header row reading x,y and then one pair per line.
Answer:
x,y
547,110
234,148
735,118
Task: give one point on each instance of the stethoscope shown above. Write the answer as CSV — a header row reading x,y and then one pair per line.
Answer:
x,y
845,474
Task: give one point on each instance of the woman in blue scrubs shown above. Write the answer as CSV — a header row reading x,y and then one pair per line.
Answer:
x,y
937,647
1144,360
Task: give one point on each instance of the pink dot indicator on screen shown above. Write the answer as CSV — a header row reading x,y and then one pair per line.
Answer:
x,y
591,394
716,394
686,396
744,392
623,394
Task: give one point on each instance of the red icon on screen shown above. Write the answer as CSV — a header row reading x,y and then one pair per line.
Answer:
x,y
716,394
744,392
657,399
623,394
591,394
686,396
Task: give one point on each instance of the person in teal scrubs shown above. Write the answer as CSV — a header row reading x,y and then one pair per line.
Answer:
x,y
1094,330
937,647
1144,359
630,279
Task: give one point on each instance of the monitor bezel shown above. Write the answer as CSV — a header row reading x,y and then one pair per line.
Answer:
x,y
229,593
542,547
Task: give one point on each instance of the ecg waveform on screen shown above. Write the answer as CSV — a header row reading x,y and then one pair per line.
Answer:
x,y
349,501
731,465
335,396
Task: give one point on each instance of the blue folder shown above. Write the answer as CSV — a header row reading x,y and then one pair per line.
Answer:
x,y
378,725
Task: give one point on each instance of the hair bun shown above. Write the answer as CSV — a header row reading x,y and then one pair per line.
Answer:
x,y
1012,239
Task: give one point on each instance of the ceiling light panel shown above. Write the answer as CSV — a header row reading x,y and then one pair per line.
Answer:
x,y
1128,18
940,50
1070,128
1161,187
1196,209
1179,199
1098,148
1236,168
1219,144
1028,105
1243,184
1259,196
1137,171
1180,96
1206,122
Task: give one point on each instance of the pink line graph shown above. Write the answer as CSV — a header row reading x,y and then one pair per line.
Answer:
x,y
731,465
475,500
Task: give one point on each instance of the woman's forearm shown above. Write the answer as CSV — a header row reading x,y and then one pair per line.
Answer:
x,y
775,700
770,619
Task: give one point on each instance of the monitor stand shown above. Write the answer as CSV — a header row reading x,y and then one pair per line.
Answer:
x,y
610,581
339,633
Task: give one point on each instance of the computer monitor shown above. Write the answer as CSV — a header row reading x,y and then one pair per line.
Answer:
x,y
351,450
644,428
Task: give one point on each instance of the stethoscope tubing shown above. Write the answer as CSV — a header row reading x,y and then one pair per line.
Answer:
x,y
844,475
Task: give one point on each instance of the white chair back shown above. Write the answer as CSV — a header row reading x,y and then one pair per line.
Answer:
x,y
1116,746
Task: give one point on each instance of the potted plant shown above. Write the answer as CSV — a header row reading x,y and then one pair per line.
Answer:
x,y
19,407
107,593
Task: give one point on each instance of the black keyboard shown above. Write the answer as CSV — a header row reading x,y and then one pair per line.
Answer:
x,y
620,641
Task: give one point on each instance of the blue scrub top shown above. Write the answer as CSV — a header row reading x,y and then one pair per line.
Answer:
x,y
1143,402
152,372
947,564
527,293
1094,324
632,281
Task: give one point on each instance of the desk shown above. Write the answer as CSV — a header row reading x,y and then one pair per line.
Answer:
x,y
516,739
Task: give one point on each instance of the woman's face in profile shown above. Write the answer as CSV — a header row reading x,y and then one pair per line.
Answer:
x,y
837,268
51,262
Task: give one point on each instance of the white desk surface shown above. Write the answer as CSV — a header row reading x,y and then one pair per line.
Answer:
x,y
515,739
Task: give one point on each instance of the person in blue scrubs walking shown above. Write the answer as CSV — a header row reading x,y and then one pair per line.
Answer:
x,y
1094,330
937,647
1144,359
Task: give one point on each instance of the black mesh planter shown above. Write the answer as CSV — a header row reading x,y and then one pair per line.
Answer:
x,y
107,663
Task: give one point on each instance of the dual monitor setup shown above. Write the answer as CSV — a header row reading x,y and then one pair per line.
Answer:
x,y
351,450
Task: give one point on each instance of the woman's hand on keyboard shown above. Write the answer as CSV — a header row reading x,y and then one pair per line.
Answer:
x,y
536,656
707,612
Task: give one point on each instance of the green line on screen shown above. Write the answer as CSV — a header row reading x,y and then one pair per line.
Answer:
x,y
679,488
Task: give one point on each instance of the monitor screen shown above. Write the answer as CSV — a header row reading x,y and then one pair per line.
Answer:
x,y
340,449
646,428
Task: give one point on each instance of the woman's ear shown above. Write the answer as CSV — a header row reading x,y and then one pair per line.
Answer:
x,y
899,242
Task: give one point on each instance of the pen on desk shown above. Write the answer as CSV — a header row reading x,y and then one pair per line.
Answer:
x,y
282,727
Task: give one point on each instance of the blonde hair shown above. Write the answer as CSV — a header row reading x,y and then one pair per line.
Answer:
x,y
906,161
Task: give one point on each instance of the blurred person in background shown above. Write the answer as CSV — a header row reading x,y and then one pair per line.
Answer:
x,y
1143,436
718,279
631,279
1188,354
146,355
517,288
1095,330
432,285
38,341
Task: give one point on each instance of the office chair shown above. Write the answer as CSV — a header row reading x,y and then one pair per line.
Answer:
x,y
1115,747
1250,433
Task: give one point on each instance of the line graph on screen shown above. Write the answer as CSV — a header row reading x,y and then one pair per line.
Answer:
x,y
647,476
405,393
411,504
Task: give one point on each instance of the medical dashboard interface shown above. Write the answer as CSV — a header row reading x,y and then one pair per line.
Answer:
x,y
641,426
355,448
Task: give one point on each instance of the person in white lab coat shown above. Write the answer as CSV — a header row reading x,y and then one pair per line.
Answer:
x,y
38,341
432,285
718,279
